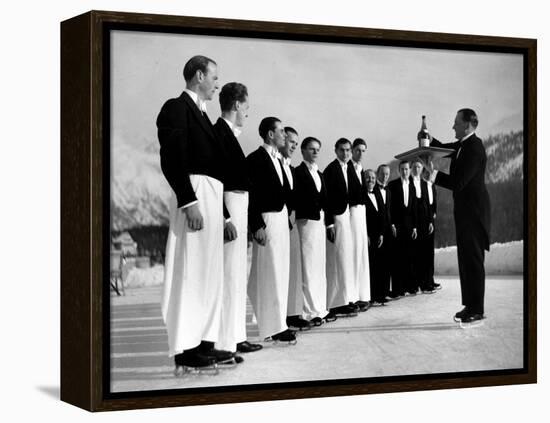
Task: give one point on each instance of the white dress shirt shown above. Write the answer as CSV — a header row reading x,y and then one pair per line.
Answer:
x,y
382,192
273,155
344,167
373,199
313,170
286,167
416,182
405,185
358,169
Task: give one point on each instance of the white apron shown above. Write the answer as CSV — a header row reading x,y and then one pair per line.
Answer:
x,y
193,271
358,216
313,254
295,290
340,275
233,314
269,273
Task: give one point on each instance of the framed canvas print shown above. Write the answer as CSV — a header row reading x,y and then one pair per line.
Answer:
x,y
236,226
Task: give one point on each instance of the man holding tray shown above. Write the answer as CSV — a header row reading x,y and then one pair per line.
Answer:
x,y
466,179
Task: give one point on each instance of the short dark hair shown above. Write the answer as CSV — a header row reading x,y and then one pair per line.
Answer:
x,y
468,115
307,141
267,124
195,64
342,141
359,141
231,93
402,162
291,129
381,166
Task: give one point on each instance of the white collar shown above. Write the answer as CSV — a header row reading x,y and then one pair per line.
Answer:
x,y
466,137
343,164
236,130
312,166
404,181
201,104
272,151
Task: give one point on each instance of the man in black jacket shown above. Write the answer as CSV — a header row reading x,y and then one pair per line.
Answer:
x,y
423,257
384,256
191,163
472,210
234,106
403,214
310,205
268,222
376,221
340,274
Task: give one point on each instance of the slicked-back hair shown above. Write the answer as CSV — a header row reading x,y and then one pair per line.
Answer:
x,y
231,93
381,166
468,115
307,141
267,124
342,141
402,162
194,64
359,141
291,129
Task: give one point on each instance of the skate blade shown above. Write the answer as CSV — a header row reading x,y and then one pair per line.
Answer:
x,y
476,324
227,364
211,370
347,315
277,342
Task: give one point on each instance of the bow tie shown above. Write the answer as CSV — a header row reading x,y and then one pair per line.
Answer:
x,y
381,187
371,192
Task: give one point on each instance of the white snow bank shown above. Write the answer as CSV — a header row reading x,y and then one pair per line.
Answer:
x,y
503,259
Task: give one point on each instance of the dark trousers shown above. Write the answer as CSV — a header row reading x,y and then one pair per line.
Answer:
x,y
471,256
376,265
423,266
402,264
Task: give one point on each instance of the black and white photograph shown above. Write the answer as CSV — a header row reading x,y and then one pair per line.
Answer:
x,y
269,223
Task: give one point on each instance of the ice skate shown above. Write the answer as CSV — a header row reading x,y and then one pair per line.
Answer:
x,y
287,337
343,311
194,363
297,323
224,359
471,320
363,305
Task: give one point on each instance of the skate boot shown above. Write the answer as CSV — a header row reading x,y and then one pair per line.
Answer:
x,y
458,316
297,323
344,311
363,305
472,320
287,336
224,359
193,362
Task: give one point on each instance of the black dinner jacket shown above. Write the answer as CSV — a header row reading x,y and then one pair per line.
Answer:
x,y
357,190
188,145
404,218
376,219
337,192
266,192
308,202
466,179
235,176
386,206
424,214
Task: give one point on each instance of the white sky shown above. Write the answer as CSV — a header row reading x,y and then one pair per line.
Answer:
x,y
321,89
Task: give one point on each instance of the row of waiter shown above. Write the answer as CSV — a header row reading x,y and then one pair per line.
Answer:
x,y
324,244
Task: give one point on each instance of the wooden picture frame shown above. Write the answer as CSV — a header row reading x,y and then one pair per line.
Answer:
x,y
85,169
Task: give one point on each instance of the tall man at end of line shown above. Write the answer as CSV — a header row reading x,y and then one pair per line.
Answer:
x,y
472,209
190,161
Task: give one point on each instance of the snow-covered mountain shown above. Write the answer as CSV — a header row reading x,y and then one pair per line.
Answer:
x,y
140,194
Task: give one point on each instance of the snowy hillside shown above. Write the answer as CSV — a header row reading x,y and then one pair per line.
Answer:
x,y
139,192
